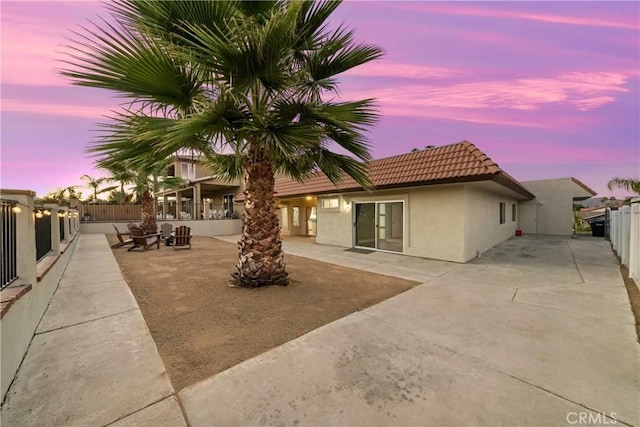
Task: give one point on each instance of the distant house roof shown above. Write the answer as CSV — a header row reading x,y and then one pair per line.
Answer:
x,y
461,162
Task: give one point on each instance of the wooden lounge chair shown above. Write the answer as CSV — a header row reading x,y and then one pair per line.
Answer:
x,y
121,241
182,237
165,230
143,241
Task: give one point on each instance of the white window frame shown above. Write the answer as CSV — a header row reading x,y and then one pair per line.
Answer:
x,y
325,202
190,170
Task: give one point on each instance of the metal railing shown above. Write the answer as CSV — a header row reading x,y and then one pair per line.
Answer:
x,y
43,236
9,250
189,212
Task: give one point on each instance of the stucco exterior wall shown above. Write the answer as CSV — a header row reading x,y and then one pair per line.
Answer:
x,y
551,212
436,223
433,220
482,218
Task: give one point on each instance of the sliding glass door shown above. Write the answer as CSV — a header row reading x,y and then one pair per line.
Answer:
x,y
366,225
379,225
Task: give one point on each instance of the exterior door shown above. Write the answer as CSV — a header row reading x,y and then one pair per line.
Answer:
x,y
528,216
379,225
365,225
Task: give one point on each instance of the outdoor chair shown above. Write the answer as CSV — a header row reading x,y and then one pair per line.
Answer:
x,y
165,230
182,237
121,241
143,241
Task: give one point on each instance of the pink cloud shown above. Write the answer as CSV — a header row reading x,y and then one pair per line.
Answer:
x,y
54,109
582,91
390,69
456,9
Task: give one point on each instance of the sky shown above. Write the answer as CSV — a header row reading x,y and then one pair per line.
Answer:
x,y
545,89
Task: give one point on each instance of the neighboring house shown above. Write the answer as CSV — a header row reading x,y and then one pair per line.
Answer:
x,y
203,197
450,203
551,211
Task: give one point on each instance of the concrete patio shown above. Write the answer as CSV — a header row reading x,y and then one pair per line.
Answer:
x,y
537,332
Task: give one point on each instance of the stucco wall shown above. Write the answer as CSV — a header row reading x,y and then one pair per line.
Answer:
x,y
552,209
482,218
20,322
433,223
436,223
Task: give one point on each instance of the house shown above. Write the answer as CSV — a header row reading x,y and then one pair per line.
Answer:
x,y
551,211
450,203
203,196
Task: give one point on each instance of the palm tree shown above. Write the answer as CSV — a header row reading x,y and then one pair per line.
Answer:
x,y
124,176
63,195
94,183
627,184
145,183
243,83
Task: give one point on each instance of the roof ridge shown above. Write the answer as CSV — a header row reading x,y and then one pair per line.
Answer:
x,y
482,157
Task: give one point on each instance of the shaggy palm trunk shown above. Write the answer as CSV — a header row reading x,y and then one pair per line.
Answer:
x,y
261,259
147,218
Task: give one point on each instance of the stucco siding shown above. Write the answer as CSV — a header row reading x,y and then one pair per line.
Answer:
x,y
482,223
436,223
552,209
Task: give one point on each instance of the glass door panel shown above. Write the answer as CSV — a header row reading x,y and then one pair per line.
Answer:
x,y
366,225
390,226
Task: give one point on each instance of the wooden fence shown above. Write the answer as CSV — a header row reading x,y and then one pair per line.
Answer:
x,y
110,213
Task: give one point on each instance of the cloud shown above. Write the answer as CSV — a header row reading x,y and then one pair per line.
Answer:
x,y
48,109
487,101
390,69
457,9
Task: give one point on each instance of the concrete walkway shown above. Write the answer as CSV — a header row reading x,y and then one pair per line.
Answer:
x,y
537,332
92,361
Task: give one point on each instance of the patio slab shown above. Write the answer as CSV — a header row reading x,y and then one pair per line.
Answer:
x,y
549,312
164,413
356,371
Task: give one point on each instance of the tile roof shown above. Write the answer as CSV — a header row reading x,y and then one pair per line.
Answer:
x,y
459,162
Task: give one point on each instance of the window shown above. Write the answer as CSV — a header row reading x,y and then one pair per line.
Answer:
x,y
296,216
503,213
188,171
514,212
330,203
227,203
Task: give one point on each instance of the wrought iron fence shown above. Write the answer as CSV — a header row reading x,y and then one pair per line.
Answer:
x,y
43,236
9,250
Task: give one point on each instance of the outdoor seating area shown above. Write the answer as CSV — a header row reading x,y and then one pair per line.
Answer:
x,y
142,241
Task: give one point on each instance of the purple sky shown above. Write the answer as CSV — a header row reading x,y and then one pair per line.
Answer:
x,y
546,89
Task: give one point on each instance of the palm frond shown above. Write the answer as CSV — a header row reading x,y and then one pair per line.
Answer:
x,y
132,65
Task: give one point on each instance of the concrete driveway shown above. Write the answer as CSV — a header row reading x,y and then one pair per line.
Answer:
x,y
537,332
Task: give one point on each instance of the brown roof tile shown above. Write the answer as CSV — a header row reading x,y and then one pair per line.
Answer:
x,y
451,163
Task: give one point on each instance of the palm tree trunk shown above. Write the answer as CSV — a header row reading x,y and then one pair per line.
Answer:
x,y
147,218
261,259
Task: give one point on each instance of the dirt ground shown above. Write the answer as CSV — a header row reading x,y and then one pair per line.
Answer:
x,y
634,297
202,326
